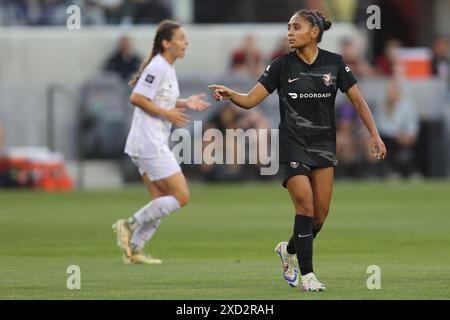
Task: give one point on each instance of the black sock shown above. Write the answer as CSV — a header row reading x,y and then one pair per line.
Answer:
x,y
316,230
303,238
290,248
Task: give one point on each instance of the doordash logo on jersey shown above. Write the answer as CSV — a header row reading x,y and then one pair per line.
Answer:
x,y
316,95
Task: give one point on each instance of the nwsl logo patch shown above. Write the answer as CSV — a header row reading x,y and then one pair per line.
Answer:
x,y
149,78
327,79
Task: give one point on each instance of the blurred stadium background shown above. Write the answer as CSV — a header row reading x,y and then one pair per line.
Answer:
x,y
64,117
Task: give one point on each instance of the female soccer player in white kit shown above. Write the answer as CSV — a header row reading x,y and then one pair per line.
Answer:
x,y
156,95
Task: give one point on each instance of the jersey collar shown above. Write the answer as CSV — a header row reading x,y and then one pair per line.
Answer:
x,y
316,61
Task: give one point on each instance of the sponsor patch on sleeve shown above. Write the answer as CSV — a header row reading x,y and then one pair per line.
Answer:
x,y
149,78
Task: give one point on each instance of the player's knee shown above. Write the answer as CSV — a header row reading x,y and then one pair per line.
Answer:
x,y
304,206
182,197
319,217
318,224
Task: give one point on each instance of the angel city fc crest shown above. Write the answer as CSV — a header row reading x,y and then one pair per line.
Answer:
x,y
327,79
294,165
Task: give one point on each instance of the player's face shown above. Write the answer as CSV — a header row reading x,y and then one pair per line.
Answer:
x,y
300,32
178,44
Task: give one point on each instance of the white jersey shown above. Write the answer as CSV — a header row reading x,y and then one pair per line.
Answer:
x,y
149,134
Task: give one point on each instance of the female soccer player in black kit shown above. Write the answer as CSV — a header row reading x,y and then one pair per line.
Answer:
x,y
306,80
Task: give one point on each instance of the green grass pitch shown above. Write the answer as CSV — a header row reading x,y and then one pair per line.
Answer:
x,y
221,245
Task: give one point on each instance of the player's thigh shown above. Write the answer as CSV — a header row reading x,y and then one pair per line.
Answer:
x,y
154,191
322,189
162,176
175,185
300,190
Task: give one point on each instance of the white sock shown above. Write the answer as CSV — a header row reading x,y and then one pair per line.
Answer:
x,y
144,233
156,209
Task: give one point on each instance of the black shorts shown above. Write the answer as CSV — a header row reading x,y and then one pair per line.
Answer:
x,y
290,169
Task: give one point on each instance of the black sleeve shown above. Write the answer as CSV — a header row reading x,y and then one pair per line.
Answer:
x,y
345,77
271,78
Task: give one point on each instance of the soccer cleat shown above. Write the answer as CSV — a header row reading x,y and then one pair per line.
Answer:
x,y
290,271
138,257
126,260
124,233
310,283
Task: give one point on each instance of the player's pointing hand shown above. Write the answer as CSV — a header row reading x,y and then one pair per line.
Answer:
x,y
221,92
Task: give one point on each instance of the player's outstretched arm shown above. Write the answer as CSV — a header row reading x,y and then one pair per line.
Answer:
x,y
242,100
175,115
355,96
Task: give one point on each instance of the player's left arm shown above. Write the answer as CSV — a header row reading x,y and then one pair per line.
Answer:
x,y
194,102
356,98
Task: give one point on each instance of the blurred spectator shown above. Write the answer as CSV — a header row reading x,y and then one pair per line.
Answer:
x,y
386,62
93,14
112,9
352,142
230,117
355,60
124,61
150,11
247,58
282,49
20,12
2,139
33,12
441,61
398,125
53,12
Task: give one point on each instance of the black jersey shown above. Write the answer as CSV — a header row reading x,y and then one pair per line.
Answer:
x,y
307,94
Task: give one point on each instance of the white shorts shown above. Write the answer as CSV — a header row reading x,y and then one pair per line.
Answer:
x,y
157,168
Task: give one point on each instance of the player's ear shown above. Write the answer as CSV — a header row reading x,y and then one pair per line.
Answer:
x,y
315,32
166,44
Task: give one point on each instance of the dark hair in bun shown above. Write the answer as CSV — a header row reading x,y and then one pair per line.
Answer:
x,y
316,18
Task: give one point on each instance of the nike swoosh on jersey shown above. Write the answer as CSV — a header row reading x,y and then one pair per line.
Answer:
x,y
292,80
